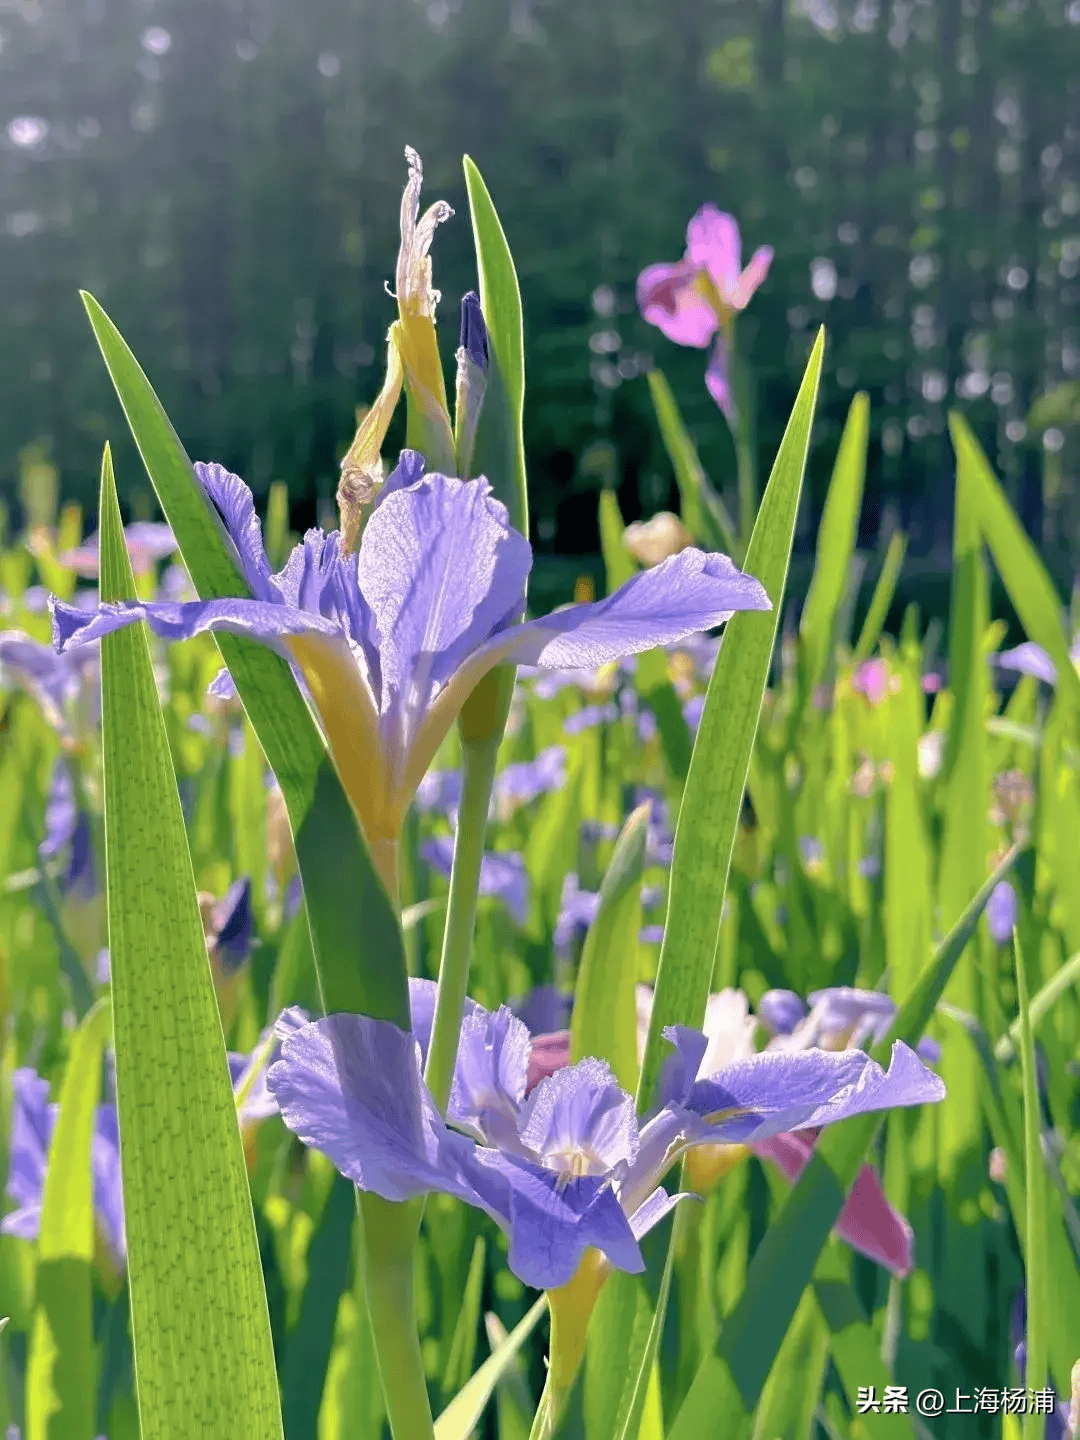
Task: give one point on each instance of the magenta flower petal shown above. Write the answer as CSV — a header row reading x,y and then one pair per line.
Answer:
x,y
669,299
547,1054
713,244
718,377
752,277
867,1222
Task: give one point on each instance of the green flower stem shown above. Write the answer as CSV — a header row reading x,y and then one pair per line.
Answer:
x,y
483,721
388,1253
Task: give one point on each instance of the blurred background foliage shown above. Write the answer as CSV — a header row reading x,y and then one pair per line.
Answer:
x,y
225,176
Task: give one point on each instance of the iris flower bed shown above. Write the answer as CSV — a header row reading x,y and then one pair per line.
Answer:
x,y
426,1017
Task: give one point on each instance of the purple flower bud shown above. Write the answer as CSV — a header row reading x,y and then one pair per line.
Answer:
x,y
1001,912
474,334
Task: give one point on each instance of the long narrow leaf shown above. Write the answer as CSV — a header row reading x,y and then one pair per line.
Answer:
x,y
361,966
461,1416
203,1351
712,802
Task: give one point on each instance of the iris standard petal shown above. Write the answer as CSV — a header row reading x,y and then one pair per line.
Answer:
x,y
235,504
490,1075
440,569
743,289
713,245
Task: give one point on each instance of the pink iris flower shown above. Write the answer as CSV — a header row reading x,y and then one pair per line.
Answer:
x,y
696,298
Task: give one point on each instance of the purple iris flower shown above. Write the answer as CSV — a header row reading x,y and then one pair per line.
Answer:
x,y
1032,659
514,785
590,716
699,296
502,874
148,541
232,924
871,680
577,911
33,1120
693,711
393,638
64,687
840,1017
68,835
544,1010
569,1166
1001,911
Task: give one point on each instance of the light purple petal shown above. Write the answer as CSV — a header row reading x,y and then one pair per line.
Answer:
x,y
1029,659
408,471
32,1121
778,1091
780,1011
687,592
108,1189
669,299
350,1087
439,790
553,1222
1001,912
544,1009
441,569
490,1075
256,619
234,503
525,780
653,1210
503,875
579,1117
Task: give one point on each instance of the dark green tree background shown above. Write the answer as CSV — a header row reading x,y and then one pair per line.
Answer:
x,y
225,176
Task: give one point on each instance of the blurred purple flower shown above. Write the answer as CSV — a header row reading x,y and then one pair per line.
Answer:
x,y
569,1167
1001,912
514,785
698,296
1031,659
33,1119
589,717
392,639
147,542
68,836
502,873
64,687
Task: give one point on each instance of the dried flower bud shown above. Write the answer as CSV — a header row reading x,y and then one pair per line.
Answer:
x,y
650,541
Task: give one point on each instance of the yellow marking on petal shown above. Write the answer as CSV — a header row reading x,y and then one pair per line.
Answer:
x,y
584,590
351,724
706,1165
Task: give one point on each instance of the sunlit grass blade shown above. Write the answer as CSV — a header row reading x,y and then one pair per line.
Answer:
x,y
60,1391
463,1341
500,444
307,1353
201,1331
791,1392
882,598
712,801
1042,1002
280,717
784,1261
461,1416
1025,576
836,541
1036,1279
604,1018
619,564
703,511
